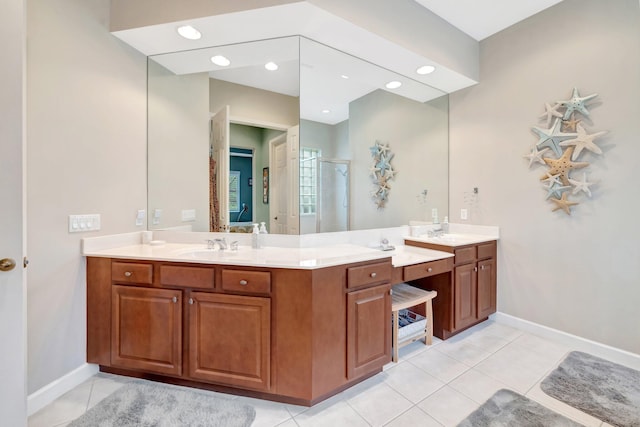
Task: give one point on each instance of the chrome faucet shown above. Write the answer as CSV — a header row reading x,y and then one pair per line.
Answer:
x,y
385,246
222,243
435,232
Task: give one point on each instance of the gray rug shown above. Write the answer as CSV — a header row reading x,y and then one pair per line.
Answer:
x,y
147,404
603,389
508,408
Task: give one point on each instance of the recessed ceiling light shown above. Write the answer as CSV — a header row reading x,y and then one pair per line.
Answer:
x,y
393,84
425,69
271,66
344,76
326,111
220,60
188,32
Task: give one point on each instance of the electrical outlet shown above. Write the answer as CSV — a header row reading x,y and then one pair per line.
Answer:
x,y
464,214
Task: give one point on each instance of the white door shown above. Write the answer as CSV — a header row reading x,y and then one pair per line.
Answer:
x,y
278,187
293,178
13,410
220,147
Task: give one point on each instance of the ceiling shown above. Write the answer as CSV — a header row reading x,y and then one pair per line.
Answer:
x,y
483,18
321,88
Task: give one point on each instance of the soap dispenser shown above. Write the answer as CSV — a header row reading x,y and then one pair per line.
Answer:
x,y
445,225
263,228
255,236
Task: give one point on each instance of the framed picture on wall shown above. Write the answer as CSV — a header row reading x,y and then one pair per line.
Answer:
x,y
265,185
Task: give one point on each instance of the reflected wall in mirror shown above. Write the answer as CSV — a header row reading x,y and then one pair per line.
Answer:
x,y
311,126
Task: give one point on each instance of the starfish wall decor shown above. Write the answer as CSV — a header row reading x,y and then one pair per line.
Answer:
x,y
381,172
567,139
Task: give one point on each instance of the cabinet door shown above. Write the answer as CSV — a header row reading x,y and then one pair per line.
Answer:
x,y
368,330
465,288
230,340
146,331
486,288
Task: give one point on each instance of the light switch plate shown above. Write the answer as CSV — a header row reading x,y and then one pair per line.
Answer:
x,y
83,223
464,214
140,217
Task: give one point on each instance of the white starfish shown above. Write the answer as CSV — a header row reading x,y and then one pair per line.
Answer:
x,y
552,137
374,171
552,179
582,140
551,112
535,155
576,103
581,185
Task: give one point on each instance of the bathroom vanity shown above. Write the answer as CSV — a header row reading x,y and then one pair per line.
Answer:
x,y
470,297
292,334
291,324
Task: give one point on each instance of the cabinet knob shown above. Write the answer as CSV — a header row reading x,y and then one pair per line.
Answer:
x,y
475,269
127,274
429,270
373,275
243,282
482,267
191,301
174,299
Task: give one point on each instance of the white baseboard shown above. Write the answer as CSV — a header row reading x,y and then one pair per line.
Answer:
x,y
574,342
55,389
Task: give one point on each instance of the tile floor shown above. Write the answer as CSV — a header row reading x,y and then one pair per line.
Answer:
x,y
437,385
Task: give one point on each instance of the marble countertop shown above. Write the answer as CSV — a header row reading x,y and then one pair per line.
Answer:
x,y
275,257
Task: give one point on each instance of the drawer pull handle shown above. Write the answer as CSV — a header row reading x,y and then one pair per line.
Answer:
x,y
429,270
127,274
191,301
243,282
174,299
373,275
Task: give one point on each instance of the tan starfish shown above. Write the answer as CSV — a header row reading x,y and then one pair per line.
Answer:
x,y
570,125
562,166
563,203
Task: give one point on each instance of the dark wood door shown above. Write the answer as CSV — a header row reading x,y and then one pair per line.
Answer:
x,y
230,340
486,288
465,288
368,330
146,331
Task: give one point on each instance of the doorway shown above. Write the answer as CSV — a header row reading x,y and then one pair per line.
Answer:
x,y
241,192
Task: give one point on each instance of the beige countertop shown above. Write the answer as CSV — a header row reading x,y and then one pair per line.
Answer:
x,y
275,257
454,239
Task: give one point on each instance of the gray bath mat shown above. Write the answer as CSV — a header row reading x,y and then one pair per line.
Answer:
x,y
606,390
508,408
146,404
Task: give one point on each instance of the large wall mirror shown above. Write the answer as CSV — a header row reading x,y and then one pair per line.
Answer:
x,y
281,131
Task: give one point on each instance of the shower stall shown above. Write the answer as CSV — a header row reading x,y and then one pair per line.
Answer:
x,y
333,195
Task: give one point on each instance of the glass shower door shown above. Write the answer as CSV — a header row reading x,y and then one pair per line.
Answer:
x,y
333,195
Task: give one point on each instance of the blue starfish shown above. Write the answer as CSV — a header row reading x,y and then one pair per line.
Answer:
x,y
556,190
552,137
383,164
576,103
375,150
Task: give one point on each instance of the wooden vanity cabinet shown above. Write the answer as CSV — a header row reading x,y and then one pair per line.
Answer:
x,y
147,329
470,297
292,335
230,339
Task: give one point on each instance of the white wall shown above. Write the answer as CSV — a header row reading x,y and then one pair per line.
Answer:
x,y
178,155
575,273
86,131
417,135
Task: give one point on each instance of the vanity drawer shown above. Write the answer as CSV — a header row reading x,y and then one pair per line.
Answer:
x,y
487,250
369,274
131,272
464,255
246,281
187,277
426,269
